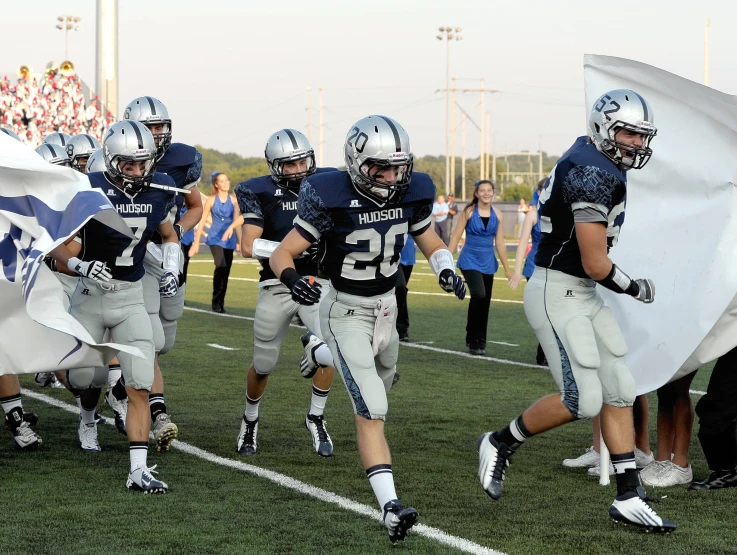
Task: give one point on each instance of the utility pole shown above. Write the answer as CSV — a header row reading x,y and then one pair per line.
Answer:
x,y
463,156
321,131
448,34
309,114
453,156
493,158
482,174
488,142
540,159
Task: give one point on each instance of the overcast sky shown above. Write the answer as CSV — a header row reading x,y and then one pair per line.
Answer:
x,y
232,72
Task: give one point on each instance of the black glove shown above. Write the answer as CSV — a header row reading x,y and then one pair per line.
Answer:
x,y
305,290
646,293
179,231
453,283
51,263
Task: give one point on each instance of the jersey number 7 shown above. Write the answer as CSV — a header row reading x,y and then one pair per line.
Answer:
x,y
138,226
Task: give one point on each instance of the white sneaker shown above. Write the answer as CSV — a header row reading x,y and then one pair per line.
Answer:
x,y
668,474
596,470
88,437
588,459
650,471
641,459
120,410
141,479
634,508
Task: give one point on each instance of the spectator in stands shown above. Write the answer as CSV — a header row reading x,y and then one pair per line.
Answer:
x,y
224,209
483,224
440,213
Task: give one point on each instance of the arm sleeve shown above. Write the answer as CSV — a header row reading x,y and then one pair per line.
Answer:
x,y
420,220
250,206
313,219
589,190
194,171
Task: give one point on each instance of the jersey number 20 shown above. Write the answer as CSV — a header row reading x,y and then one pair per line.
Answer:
x,y
361,266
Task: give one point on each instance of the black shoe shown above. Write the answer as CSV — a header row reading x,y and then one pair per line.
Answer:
x,y
399,520
30,417
493,463
395,379
404,336
540,357
219,309
321,441
634,508
246,442
719,479
476,349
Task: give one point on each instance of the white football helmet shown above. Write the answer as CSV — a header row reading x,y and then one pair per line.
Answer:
x,y
129,141
53,154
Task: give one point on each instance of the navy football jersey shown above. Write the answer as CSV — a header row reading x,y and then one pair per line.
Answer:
x,y
362,242
584,186
183,163
143,214
264,204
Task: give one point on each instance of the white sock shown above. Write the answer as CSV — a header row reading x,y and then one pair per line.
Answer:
x,y
138,453
382,481
11,402
88,416
113,375
319,399
78,398
252,408
323,356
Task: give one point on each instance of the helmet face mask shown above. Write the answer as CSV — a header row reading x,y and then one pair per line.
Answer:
x,y
283,147
129,141
378,159
623,110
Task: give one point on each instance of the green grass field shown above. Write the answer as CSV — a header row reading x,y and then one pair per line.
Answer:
x,y
62,500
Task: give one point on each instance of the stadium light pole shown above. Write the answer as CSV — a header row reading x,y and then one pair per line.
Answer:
x,y
67,23
448,34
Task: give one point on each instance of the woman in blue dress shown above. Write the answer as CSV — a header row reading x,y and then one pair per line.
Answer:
x,y
484,225
224,209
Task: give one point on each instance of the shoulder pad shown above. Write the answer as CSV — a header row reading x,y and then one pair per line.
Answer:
x,y
178,154
421,188
335,188
587,155
258,185
326,170
163,179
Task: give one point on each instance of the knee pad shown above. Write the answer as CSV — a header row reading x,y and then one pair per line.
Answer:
x,y
151,295
265,358
619,385
170,335
590,396
81,378
173,307
582,343
368,396
607,329
100,376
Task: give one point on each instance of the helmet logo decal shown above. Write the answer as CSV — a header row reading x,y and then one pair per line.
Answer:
x,y
356,137
603,102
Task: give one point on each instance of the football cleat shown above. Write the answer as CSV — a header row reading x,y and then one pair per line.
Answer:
x,y
31,418
88,437
399,520
141,479
634,508
395,379
719,479
44,379
493,463
320,438
25,438
120,410
164,431
246,442
308,365
588,459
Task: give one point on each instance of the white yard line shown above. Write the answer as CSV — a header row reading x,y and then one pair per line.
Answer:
x,y
223,347
448,295
320,494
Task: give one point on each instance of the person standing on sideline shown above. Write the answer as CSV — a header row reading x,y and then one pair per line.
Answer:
x,y
440,214
582,210
522,211
224,209
187,241
452,211
407,259
483,224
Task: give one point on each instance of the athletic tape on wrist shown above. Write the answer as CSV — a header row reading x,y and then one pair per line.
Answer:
x,y
172,252
263,249
440,260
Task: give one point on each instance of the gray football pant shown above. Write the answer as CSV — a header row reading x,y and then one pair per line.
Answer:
x,y
163,311
582,342
348,322
121,311
274,311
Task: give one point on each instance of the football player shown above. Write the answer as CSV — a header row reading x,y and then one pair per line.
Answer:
x,y
581,211
57,138
80,148
109,295
268,206
54,154
362,216
15,419
183,163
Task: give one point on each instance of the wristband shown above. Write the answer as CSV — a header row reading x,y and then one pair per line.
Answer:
x,y
619,282
289,277
440,260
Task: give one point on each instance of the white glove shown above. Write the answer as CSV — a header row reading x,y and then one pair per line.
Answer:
x,y
169,284
646,293
94,269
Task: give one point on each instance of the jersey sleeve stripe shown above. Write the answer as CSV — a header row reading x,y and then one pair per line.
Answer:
x,y
306,230
589,212
421,225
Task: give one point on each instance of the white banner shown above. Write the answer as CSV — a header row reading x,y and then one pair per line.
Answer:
x,y
41,205
680,228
